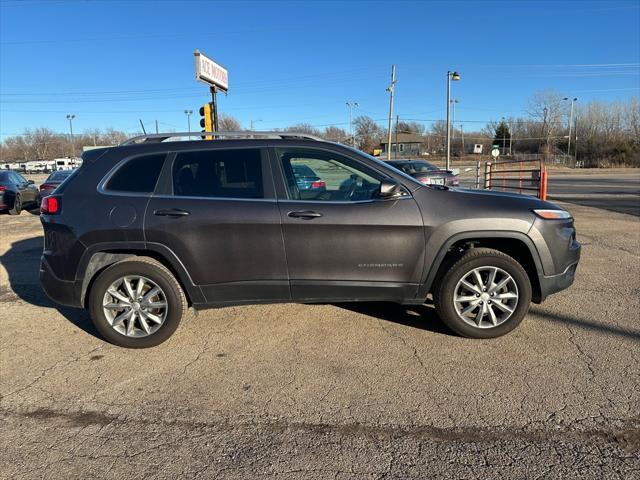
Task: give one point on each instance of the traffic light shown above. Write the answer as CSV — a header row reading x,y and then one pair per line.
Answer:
x,y
206,119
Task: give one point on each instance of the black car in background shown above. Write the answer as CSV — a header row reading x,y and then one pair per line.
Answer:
x,y
53,180
17,192
426,172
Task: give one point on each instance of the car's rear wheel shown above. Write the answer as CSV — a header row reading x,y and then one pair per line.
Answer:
x,y
17,206
485,294
136,303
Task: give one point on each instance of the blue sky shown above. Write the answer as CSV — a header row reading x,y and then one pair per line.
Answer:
x,y
113,62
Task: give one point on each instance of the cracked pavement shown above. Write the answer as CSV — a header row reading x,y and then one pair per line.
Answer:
x,y
356,391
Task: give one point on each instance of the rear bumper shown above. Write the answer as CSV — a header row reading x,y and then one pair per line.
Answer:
x,y
60,291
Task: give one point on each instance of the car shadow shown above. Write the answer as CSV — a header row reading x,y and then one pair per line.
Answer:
x,y
422,317
22,263
589,325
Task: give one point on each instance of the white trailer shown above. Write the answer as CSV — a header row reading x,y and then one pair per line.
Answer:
x,y
16,166
40,166
67,163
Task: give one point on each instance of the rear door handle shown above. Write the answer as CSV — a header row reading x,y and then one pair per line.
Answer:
x,y
304,214
172,212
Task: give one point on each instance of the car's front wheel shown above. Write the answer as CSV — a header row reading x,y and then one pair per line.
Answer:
x,y
136,303
485,294
17,206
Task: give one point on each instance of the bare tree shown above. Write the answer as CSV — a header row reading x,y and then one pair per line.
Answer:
x,y
337,134
227,123
368,133
410,127
303,128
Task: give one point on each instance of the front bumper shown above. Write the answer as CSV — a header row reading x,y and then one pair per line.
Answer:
x,y
60,291
555,283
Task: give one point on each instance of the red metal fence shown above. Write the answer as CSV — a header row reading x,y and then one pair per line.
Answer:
x,y
518,176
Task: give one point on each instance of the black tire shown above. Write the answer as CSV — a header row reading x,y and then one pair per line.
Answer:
x,y
157,273
17,206
475,258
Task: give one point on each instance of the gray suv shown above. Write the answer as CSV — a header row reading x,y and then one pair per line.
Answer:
x,y
144,230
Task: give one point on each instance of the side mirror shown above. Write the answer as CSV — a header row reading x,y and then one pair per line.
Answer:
x,y
390,189
31,182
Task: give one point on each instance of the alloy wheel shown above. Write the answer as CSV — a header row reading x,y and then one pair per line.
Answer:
x,y
135,306
485,297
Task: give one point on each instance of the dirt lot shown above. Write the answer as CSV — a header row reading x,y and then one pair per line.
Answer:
x,y
328,391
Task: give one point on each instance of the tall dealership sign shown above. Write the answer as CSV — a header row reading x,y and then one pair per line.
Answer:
x,y
210,72
214,75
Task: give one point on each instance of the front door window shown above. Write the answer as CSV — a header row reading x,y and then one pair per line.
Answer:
x,y
324,176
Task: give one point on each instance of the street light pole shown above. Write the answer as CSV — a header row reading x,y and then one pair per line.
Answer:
x,y
450,76
251,122
188,114
351,106
70,117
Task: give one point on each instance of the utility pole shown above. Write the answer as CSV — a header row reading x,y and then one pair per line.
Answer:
x,y
391,90
573,100
351,106
157,131
188,114
510,138
70,117
251,122
575,149
462,134
397,145
545,132
504,137
450,76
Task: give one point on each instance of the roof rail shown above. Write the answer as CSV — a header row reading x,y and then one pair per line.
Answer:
x,y
161,137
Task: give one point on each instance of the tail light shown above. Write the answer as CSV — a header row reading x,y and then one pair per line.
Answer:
x,y
318,184
2,188
50,205
425,180
455,181
47,186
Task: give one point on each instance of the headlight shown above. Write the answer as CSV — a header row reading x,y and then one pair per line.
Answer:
x,y
553,214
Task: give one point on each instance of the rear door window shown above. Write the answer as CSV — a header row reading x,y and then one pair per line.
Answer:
x,y
140,174
218,173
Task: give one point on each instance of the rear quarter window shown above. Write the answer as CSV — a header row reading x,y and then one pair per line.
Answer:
x,y
138,175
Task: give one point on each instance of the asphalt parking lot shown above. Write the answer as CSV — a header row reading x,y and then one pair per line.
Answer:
x,y
328,391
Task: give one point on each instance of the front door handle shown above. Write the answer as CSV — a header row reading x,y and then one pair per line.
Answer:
x,y
172,212
304,214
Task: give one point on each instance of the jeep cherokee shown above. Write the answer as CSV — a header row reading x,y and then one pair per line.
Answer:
x,y
143,230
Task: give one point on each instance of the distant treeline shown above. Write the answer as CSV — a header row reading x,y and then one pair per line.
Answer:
x,y
602,134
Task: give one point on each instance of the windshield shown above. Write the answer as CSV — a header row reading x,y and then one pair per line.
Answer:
x,y
59,176
303,171
423,167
